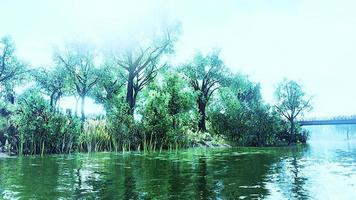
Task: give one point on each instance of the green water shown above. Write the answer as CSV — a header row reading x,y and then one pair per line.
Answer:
x,y
321,170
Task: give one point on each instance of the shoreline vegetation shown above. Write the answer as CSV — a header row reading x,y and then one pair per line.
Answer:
x,y
149,104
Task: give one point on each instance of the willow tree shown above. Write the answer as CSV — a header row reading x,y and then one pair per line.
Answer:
x,y
291,102
205,75
142,62
78,62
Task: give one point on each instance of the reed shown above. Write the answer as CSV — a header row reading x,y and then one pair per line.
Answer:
x,y
95,137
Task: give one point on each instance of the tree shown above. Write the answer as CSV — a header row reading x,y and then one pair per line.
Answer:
x,y
204,74
53,83
180,98
32,121
240,114
156,121
291,102
40,130
142,63
78,62
167,111
108,86
10,66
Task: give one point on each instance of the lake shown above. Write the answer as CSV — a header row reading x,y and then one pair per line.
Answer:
x,y
323,169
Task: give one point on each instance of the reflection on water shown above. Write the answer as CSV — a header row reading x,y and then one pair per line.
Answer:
x,y
325,169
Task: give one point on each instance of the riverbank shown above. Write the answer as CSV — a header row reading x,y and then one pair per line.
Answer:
x,y
196,140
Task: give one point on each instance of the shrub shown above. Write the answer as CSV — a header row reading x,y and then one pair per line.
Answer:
x,y
126,133
40,130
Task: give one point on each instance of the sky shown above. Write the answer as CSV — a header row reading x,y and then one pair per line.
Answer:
x,y
310,41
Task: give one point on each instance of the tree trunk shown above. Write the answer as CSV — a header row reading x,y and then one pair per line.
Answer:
x,y
82,108
10,97
51,101
292,126
57,102
202,119
130,93
42,148
76,106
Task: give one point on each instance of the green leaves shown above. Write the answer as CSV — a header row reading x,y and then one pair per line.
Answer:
x,y
291,103
109,86
178,104
42,130
291,99
239,114
205,75
78,61
11,68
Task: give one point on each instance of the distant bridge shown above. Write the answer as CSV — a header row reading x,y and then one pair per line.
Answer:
x,y
329,121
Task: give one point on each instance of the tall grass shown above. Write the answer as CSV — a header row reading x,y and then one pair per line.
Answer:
x,y
95,137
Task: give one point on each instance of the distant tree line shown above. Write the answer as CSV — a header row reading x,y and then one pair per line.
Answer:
x,y
149,104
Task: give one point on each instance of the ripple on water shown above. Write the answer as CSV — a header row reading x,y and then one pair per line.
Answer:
x,y
242,173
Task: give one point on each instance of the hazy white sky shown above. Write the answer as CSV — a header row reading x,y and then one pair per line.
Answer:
x,y
311,41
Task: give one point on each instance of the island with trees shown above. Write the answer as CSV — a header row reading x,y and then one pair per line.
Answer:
x,y
149,104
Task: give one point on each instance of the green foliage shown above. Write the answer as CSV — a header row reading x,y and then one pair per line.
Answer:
x,y
205,74
157,122
142,62
95,137
11,68
126,132
198,104
291,103
240,115
54,83
168,113
40,130
4,115
78,62
109,86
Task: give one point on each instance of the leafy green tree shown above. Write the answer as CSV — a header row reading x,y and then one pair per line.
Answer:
x,y
205,75
156,121
12,72
32,123
181,98
142,62
178,104
7,129
53,83
168,111
78,61
108,86
40,130
291,103
126,134
11,68
240,114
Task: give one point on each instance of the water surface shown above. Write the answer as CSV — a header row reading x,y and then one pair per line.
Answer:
x,y
324,169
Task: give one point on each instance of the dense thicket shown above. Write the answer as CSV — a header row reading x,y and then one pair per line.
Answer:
x,y
149,105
